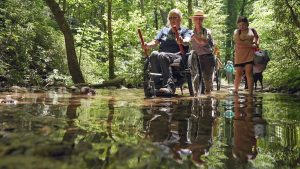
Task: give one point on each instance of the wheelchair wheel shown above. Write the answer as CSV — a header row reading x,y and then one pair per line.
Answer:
x,y
148,85
218,79
196,85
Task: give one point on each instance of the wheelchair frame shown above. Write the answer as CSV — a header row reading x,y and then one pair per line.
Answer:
x,y
191,73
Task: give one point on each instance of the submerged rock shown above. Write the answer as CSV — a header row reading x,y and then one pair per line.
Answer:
x,y
87,90
8,100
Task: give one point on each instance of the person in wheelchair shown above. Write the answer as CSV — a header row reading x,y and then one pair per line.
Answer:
x,y
202,50
169,51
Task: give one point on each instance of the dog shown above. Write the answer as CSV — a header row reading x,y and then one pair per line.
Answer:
x,y
258,77
258,74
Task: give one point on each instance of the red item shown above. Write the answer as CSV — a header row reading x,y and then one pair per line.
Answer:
x,y
175,30
142,42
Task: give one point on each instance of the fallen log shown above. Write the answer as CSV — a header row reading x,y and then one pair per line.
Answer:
x,y
116,82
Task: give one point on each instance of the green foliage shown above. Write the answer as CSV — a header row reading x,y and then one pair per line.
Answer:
x,y
279,35
30,48
31,44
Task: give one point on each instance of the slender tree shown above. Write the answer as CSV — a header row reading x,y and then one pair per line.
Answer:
x,y
231,8
142,7
244,2
190,11
111,60
73,65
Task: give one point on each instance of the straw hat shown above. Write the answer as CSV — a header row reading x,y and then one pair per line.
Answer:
x,y
198,14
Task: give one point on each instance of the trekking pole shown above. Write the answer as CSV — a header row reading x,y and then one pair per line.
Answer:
x,y
175,30
142,41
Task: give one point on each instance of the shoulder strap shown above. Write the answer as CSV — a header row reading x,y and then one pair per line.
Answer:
x,y
254,32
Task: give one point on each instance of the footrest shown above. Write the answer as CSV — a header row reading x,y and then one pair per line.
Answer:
x,y
155,74
175,64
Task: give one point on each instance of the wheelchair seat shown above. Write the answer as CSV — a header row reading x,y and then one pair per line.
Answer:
x,y
180,72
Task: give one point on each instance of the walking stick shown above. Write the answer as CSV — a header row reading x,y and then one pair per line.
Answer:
x,y
175,30
142,41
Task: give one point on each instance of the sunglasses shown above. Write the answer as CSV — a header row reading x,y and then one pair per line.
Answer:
x,y
173,17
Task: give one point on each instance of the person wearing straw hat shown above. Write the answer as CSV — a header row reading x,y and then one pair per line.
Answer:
x,y
169,50
202,49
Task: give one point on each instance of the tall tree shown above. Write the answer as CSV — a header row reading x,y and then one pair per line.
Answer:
x,y
111,59
142,7
73,65
244,2
190,11
232,13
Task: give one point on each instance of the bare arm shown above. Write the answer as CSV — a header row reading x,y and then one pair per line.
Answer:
x,y
151,44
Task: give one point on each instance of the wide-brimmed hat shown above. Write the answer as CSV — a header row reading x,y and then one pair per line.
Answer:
x,y
199,14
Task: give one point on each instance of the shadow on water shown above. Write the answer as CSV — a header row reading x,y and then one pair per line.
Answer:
x,y
119,129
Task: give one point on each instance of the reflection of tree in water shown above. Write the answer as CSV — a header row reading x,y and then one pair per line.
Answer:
x,y
82,140
186,127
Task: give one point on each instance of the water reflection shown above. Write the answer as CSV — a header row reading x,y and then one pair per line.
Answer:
x,y
109,130
190,127
248,125
186,127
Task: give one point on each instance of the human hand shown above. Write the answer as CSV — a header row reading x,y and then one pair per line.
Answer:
x,y
179,40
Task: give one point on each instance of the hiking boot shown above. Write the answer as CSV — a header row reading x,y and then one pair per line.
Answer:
x,y
166,91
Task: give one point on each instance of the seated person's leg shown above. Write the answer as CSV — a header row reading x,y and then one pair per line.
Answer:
x,y
165,59
155,66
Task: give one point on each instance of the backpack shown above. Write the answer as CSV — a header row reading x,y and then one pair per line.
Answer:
x,y
261,57
229,68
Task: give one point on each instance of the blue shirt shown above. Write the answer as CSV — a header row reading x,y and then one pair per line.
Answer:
x,y
168,42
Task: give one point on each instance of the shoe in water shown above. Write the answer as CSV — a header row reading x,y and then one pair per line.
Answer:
x,y
166,91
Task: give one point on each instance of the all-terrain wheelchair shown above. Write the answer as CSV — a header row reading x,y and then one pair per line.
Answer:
x,y
184,70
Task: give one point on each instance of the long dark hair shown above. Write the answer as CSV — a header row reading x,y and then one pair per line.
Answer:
x,y
242,19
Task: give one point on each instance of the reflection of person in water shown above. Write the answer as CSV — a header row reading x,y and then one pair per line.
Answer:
x,y
245,114
167,125
185,127
202,129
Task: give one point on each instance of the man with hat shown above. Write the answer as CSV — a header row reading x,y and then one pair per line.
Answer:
x,y
202,51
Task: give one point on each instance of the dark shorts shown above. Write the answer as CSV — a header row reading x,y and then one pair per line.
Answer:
x,y
243,64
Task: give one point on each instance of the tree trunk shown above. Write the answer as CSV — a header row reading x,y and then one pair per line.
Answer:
x,y
190,12
142,7
73,65
156,18
243,7
196,3
64,6
111,60
294,16
231,25
102,20
164,16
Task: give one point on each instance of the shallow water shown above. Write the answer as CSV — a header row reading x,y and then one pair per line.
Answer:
x,y
121,129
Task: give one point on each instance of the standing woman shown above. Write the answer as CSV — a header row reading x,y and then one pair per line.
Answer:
x,y
202,48
246,41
